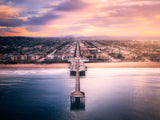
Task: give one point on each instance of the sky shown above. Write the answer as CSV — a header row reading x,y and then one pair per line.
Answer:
x,y
49,18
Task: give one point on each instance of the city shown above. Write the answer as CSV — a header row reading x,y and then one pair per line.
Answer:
x,y
24,50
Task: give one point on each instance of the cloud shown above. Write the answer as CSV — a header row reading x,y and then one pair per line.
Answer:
x,y
8,16
32,28
125,15
11,22
103,21
146,0
12,17
70,5
42,20
31,2
1,1
134,10
7,30
15,31
85,17
8,11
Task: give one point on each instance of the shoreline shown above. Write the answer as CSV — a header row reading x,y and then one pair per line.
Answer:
x,y
89,65
124,65
29,66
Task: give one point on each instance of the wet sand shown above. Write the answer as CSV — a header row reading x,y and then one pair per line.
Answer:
x,y
89,65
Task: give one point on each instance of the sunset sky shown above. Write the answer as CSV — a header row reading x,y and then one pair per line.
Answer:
x,y
46,18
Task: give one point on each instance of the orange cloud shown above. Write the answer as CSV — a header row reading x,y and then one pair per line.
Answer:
x,y
19,32
7,11
150,33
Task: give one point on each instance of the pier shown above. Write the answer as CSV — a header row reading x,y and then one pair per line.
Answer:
x,y
77,97
73,61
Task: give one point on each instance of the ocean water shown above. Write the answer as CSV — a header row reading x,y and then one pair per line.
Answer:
x,y
110,94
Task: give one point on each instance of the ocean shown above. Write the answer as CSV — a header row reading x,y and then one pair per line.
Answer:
x,y
110,94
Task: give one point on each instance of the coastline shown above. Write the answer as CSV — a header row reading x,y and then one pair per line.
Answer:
x,y
124,65
30,66
89,65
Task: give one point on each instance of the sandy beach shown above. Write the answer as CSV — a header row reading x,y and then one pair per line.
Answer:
x,y
124,65
29,66
89,65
